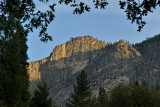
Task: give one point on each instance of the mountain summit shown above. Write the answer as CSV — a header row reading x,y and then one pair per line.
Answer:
x,y
124,50
76,45
106,65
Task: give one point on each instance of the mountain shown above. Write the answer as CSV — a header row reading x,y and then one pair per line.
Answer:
x,y
150,49
106,65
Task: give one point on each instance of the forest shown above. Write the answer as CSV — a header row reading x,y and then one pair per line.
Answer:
x,y
19,17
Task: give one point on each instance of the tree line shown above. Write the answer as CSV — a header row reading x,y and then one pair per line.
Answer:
x,y
133,94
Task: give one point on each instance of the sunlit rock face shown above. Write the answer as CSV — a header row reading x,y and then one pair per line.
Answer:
x,y
106,65
75,46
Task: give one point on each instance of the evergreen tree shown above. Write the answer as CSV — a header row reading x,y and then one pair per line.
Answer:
x,y
143,95
13,73
102,98
40,98
120,96
82,92
134,95
18,18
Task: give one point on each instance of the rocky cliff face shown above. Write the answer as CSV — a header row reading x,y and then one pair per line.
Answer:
x,y
76,45
106,66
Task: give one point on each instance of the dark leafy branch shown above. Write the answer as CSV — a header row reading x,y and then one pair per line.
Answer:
x,y
24,11
136,10
81,7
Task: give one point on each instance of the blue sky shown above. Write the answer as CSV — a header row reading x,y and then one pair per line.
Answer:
x,y
110,25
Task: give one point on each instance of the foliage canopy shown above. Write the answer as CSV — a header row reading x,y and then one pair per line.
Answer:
x,y
134,95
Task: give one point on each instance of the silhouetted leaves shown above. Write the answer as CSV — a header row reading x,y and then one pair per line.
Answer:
x,y
136,10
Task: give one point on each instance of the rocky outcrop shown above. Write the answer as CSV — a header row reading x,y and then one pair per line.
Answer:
x,y
76,45
106,66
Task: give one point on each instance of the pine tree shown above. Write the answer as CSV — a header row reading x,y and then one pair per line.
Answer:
x,y
13,72
82,92
18,18
102,98
40,98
